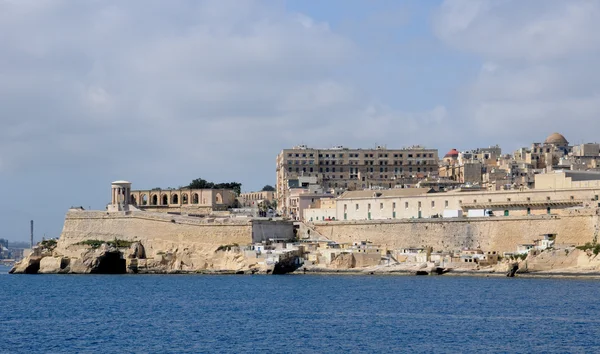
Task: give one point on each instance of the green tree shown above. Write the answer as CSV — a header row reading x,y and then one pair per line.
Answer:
x,y
200,183
268,188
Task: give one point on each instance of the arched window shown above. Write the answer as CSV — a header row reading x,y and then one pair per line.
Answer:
x,y
184,198
219,198
133,200
175,199
144,199
155,200
165,200
195,198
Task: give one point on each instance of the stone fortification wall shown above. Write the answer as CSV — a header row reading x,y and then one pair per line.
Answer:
x,y
501,234
265,230
156,231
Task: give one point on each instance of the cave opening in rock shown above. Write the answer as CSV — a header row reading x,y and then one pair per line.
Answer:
x,y
110,263
33,268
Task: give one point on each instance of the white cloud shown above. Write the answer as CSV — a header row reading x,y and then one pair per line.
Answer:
x,y
199,88
512,29
538,73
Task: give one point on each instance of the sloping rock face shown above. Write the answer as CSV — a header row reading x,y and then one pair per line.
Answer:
x,y
50,265
106,259
343,261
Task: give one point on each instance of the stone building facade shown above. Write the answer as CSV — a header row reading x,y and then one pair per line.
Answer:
x,y
353,169
414,203
187,201
252,199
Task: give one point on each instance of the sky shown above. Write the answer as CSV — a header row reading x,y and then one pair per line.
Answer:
x,y
162,92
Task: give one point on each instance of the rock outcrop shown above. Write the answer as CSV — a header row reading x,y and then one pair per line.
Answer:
x,y
110,259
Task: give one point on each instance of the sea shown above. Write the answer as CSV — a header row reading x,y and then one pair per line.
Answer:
x,y
296,314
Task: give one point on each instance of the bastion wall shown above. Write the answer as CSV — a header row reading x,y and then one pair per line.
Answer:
x,y
158,232
501,234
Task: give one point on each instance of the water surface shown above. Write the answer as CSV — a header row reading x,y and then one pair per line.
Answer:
x,y
295,313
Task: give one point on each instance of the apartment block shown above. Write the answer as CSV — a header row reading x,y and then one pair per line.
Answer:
x,y
353,169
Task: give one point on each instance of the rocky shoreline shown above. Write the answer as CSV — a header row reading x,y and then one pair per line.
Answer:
x,y
130,257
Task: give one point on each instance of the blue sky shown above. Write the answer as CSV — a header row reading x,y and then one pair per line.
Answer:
x,y
162,92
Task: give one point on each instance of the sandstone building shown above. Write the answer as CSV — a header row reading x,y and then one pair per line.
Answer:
x,y
416,203
253,199
187,201
343,168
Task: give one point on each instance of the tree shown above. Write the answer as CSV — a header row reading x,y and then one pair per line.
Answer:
x,y
200,183
268,188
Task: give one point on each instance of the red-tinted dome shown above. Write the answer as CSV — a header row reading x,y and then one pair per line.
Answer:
x,y
452,153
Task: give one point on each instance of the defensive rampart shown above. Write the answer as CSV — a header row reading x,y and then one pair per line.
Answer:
x,y
154,229
501,234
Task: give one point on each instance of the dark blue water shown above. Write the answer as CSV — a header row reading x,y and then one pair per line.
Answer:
x,y
310,314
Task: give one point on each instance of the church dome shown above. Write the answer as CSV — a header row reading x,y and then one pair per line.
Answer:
x,y
556,139
452,153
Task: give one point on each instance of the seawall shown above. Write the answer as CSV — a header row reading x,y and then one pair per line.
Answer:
x,y
501,234
156,231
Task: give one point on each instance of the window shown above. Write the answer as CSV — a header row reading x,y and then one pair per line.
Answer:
x,y
474,200
508,199
446,204
419,204
380,205
547,198
369,206
405,205
393,205
357,206
489,200
572,198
